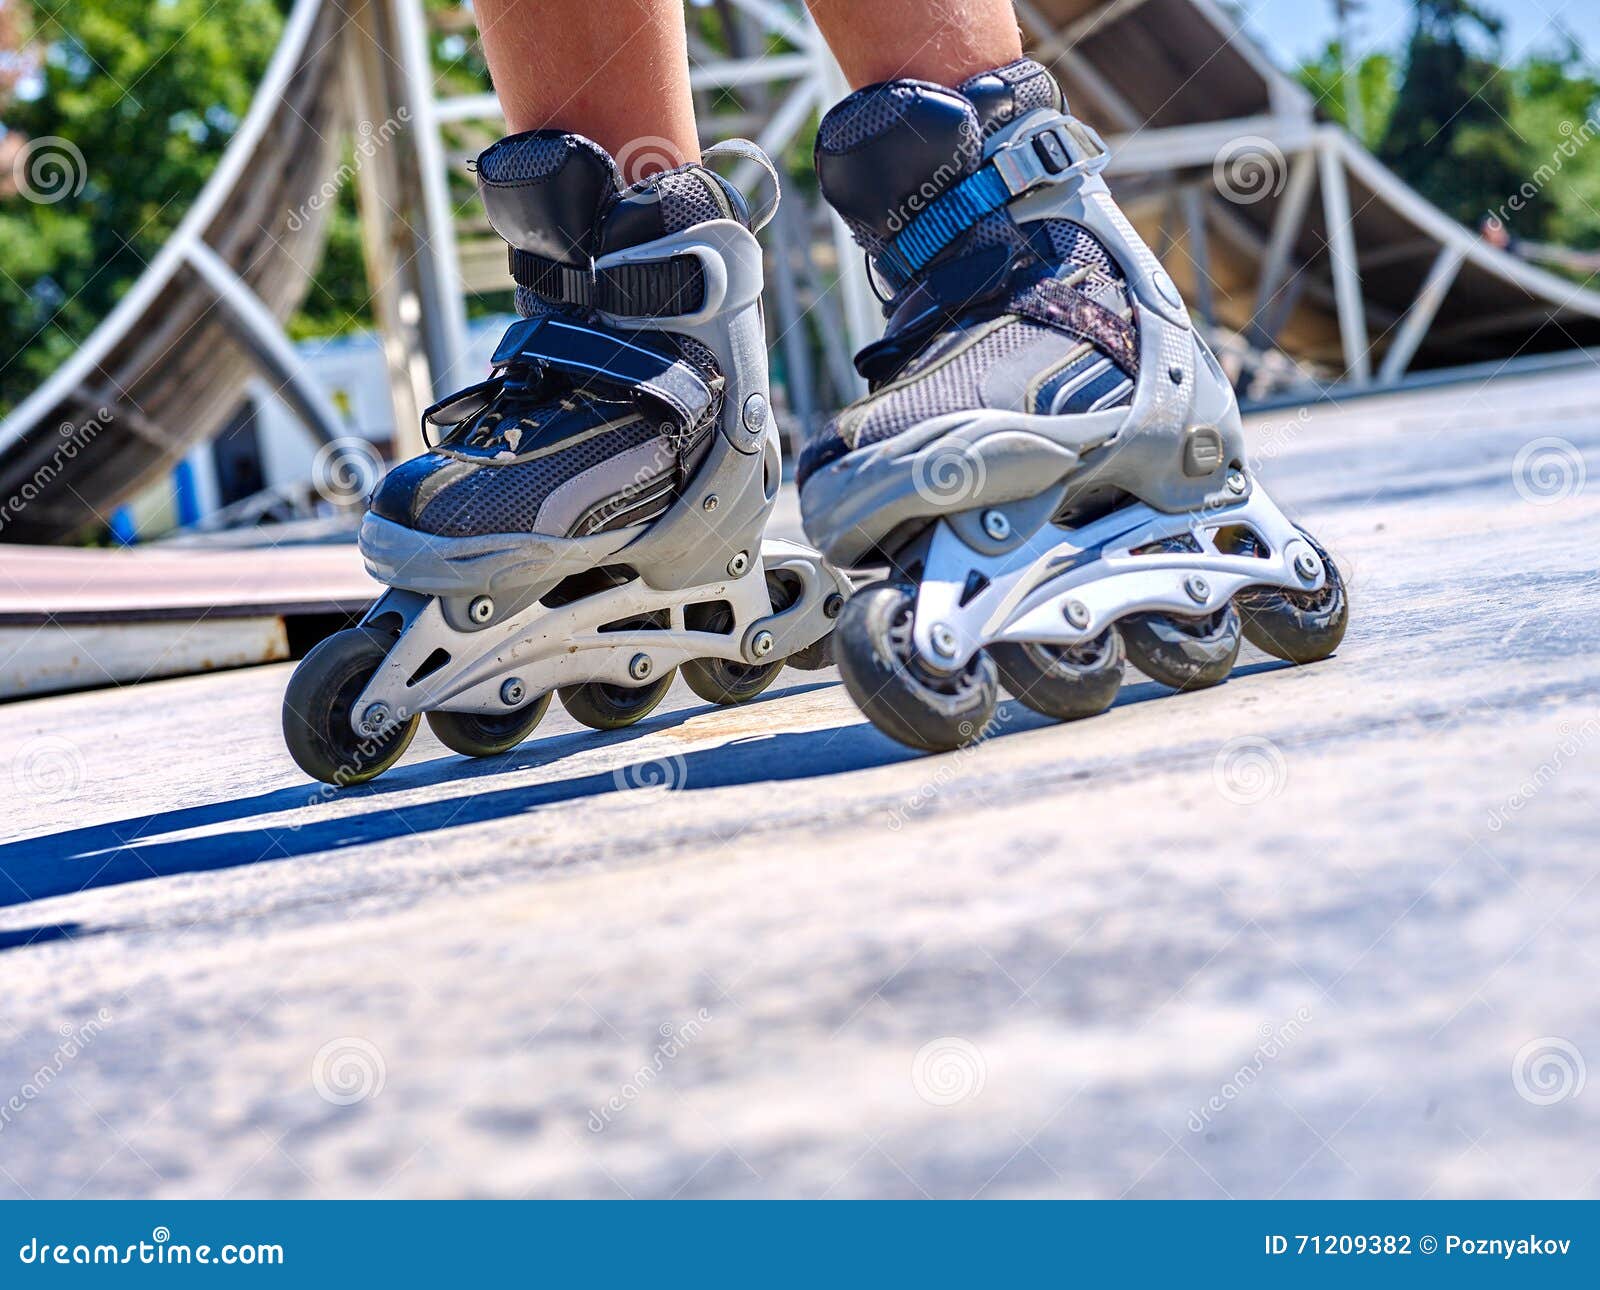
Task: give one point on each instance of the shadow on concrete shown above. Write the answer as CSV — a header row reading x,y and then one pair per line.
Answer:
x,y
153,846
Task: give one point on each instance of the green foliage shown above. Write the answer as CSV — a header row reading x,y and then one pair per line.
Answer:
x,y
1449,134
1555,107
1377,81
1519,142
149,93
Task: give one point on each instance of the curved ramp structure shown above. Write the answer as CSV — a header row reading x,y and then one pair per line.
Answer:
x,y
1218,154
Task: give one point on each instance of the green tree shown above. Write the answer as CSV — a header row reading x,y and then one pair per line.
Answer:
x,y
149,95
1450,134
1376,80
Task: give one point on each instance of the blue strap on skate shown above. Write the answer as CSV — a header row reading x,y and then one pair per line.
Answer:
x,y
588,353
1062,150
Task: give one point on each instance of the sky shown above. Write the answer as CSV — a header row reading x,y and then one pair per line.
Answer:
x,y
1295,30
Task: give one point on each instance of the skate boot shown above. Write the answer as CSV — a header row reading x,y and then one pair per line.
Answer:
x,y
1049,459
590,518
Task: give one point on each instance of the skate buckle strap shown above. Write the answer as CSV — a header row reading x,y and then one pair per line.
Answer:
x,y
591,353
1059,151
649,289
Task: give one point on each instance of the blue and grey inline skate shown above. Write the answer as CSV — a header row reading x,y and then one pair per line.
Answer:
x,y
1049,460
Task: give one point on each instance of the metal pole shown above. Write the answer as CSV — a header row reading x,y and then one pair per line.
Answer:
x,y
444,309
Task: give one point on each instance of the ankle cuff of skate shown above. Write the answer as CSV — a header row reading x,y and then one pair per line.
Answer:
x,y
1064,149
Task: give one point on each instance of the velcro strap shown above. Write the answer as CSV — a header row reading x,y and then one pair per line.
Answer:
x,y
1064,149
649,289
1060,304
591,353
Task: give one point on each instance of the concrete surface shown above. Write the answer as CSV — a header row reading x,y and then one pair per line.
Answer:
x,y
1328,932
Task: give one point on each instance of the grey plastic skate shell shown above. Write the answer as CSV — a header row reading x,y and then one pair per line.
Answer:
x,y
1146,456
874,492
687,546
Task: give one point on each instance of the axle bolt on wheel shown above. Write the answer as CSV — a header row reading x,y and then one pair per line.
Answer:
x,y
996,525
710,504
375,719
1236,481
739,563
832,606
481,610
640,667
762,644
1197,587
1076,613
944,640
513,692
1307,566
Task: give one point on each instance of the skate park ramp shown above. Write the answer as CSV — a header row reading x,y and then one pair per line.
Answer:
x,y
1187,99
1221,159
169,363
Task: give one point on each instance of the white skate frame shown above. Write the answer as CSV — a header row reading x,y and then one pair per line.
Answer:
x,y
1095,570
546,648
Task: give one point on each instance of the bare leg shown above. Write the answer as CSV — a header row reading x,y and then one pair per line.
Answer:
x,y
616,71
944,41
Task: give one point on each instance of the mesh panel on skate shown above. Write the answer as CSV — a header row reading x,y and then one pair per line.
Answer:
x,y
955,386
863,115
506,499
1032,86
686,199
517,161
1077,244
530,305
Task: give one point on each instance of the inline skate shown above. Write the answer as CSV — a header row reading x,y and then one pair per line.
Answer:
x,y
1049,459
590,517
